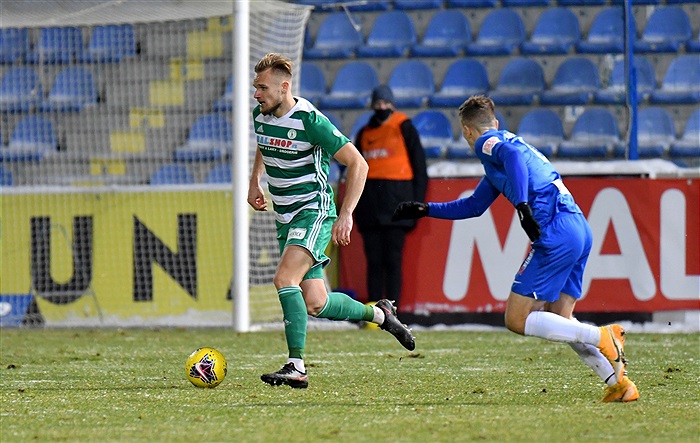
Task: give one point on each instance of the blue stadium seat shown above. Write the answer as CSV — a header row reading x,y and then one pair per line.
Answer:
x,y
520,82
210,139
14,45
616,91
447,35
333,119
667,30
392,35
689,144
501,32
581,2
225,102
73,89
172,175
471,3
594,135
637,2
463,78
417,4
219,174
373,5
575,82
110,44
542,128
434,130
5,176
20,90
412,83
32,139
336,38
57,46
312,85
607,33
519,3
681,83
352,87
557,30
694,44
360,121
655,133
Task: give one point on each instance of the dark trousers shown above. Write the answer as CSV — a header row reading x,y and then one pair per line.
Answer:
x,y
383,251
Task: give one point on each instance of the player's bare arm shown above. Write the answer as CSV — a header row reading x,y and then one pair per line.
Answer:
x,y
356,175
256,195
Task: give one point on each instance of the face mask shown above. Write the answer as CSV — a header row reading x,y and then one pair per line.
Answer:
x,y
382,114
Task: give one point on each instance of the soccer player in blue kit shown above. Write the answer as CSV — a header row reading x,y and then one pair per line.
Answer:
x,y
548,283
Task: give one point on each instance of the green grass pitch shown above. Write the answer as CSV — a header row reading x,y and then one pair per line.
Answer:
x,y
129,385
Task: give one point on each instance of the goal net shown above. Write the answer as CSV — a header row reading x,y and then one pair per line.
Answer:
x,y
116,145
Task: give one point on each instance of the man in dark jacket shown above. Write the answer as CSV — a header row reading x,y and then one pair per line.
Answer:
x,y
391,146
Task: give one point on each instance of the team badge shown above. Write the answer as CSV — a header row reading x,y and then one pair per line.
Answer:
x,y
292,134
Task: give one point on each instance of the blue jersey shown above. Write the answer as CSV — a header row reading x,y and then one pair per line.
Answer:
x,y
518,171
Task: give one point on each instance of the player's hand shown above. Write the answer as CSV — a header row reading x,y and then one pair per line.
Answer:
x,y
408,210
340,233
528,222
256,198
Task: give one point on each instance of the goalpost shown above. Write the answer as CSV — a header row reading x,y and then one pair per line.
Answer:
x,y
129,163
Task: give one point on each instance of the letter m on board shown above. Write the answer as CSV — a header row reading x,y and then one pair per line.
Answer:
x,y
180,265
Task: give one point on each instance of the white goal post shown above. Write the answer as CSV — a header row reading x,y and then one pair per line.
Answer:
x,y
128,162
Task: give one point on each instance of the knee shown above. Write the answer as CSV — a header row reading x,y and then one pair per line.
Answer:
x,y
515,322
313,308
282,280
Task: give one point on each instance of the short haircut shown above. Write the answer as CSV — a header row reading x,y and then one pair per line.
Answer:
x,y
277,62
477,112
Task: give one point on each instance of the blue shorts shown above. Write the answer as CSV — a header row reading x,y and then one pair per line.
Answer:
x,y
557,260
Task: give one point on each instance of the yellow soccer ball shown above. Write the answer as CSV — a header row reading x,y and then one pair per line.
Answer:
x,y
206,368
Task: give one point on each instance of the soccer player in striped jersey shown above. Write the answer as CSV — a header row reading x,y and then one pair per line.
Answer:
x,y
295,143
548,284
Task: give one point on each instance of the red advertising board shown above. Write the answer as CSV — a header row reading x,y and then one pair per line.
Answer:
x,y
645,255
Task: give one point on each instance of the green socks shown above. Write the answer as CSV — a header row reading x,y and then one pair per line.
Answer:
x,y
295,319
340,306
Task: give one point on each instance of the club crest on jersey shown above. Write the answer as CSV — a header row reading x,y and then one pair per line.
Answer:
x,y
292,134
296,234
489,144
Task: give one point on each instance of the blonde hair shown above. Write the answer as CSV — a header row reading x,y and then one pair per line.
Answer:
x,y
277,62
477,112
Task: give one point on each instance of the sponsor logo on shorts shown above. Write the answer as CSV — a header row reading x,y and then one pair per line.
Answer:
x,y
296,234
489,144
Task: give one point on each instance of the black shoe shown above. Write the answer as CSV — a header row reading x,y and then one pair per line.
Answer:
x,y
394,327
288,375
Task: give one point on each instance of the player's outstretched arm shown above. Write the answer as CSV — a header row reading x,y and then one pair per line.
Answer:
x,y
355,177
410,210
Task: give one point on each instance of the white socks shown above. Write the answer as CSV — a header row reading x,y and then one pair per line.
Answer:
x,y
298,363
378,315
592,357
553,327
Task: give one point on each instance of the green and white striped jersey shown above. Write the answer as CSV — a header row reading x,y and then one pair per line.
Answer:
x,y
296,150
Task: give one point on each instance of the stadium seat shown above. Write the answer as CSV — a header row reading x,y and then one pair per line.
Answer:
x,y
210,139
667,30
501,32
373,5
681,83
32,139
417,4
693,45
392,35
638,2
225,102
5,176
20,90
219,174
520,82
336,38
689,144
57,46
655,133
434,130
447,35
463,78
575,82
333,119
110,44
312,85
172,175
542,128
412,83
594,135
352,87
557,30
616,90
520,3
606,34
73,89
360,121
581,2
471,3
14,45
